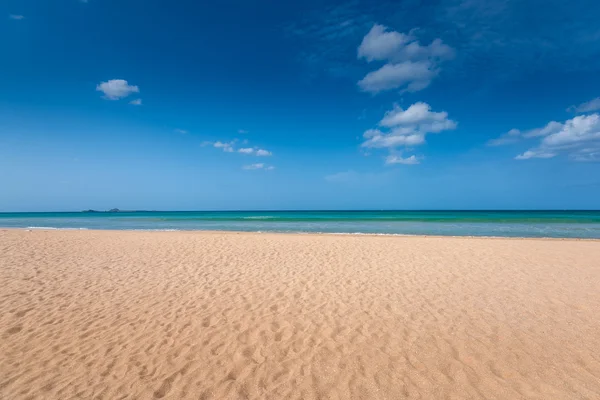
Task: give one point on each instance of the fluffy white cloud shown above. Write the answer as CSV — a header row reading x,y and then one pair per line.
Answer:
x,y
407,128
381,44
417,114
414,75
229,147
578,137
116,89
226,146
393,159
136,102
259,166
182,131
242,131
580,129
409,64
263,153
16,17
588,106
255,151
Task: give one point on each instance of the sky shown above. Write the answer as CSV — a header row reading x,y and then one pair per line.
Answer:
x,y
267,105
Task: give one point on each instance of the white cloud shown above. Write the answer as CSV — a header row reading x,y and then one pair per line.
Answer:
x,y
407,128
16,17
259,166
415,75
229,147
578,137
580,129
393,159
588,106
418,113
183,132
136,102
254,166
381,44
409,64
116,89
263,153
226,146
242,131
550,128
515,135
255,151
534,154
384,45
509,137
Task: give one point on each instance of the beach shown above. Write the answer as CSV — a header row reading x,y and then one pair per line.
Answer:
x,y
222,315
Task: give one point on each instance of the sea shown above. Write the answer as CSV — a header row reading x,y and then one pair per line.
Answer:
x,y
535,224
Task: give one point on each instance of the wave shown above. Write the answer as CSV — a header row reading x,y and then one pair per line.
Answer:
x,y
53,228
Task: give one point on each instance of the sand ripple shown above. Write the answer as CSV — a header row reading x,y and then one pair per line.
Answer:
x,y
182,315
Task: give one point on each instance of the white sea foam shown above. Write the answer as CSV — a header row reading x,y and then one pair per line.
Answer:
x,y
154,230
53,228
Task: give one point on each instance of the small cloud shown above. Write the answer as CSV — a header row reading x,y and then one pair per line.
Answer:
x,y
16,17
588,106
255,151
534,154
116,89
263,153
184,132
511,136
409,65
226,146
258,166
392,159
414,75
254,166
136,102
83,1
242,131
406,128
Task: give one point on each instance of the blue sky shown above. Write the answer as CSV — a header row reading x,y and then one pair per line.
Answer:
x,y
456,104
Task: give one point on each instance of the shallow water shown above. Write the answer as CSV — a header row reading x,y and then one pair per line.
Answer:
x,y
561,224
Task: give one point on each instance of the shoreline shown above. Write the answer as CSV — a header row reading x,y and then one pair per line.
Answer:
x,y
358,234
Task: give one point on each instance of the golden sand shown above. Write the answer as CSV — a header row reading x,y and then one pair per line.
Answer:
x,y
189,315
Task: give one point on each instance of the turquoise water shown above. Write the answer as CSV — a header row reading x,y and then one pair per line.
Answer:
x,y
563,224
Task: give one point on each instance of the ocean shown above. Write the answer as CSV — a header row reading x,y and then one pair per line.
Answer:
x,y
557,224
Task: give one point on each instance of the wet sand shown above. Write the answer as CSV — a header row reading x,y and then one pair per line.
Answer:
x,y
191,315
